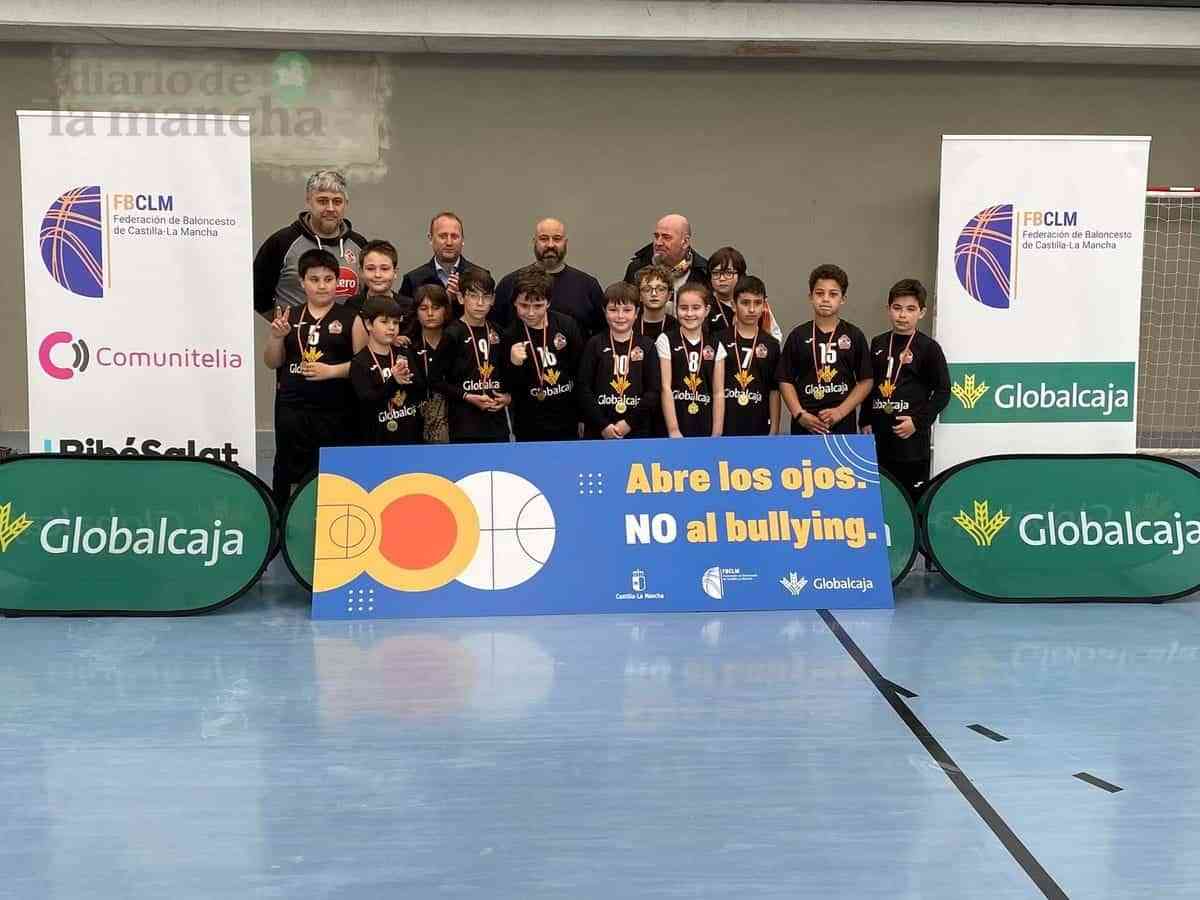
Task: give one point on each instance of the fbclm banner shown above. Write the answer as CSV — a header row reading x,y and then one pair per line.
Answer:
x,y
600,526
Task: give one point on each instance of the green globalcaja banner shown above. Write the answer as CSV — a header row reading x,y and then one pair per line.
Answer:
x,y
1052,527
1040,392
129,535
901,522
299,532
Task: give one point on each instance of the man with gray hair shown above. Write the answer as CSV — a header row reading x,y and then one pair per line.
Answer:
x,y
671,246
321,225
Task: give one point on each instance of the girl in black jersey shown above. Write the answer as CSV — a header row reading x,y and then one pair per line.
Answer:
x,y
310,348
693,369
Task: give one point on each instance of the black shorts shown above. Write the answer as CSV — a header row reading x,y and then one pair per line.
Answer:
x,y
300,434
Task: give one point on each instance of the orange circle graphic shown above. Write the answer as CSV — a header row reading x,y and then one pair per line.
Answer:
x,y
419,531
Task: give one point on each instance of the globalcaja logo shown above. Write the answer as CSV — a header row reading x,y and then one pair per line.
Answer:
x,y
1103,527
983,256
10,528
1041,392
117,358
984,525
968,392
793,584
489,530
72,241
146,535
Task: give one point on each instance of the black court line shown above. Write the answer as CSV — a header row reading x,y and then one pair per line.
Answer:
x,y
1026,860
902,691
988,733
1098,782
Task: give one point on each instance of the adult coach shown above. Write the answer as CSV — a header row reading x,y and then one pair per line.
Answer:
x,y
322,225
448,263
671,246
575,292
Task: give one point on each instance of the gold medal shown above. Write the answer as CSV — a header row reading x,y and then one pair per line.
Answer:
x,y
693,408
392,425
743,399
818,393
540,395
622,406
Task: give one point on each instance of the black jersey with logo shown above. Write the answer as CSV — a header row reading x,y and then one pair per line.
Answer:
x,y
388,411
692,374
842,360
750,365
544,406
652,330
468,362
720,318
918,380
326,338
625,386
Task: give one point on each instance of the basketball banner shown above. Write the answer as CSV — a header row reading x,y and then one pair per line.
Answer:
x,y
1039,293
600,526
138,296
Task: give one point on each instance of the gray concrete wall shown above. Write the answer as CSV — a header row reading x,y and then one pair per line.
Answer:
x,y
794,163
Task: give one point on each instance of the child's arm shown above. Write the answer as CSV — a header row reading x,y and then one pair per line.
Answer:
x,y
273,353
663,348
775,412
939,392
585,383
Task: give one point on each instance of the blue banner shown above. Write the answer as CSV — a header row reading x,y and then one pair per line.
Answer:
x,y
657,525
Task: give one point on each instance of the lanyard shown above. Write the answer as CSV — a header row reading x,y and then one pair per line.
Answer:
x,y
391,365
537,368
314,324
889,384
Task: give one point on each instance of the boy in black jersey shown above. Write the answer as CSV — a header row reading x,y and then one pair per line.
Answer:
x,y
310,348
825,366
467,369
542,348
911,388
725,268
751,357
693,369
655,292
386,379
618,383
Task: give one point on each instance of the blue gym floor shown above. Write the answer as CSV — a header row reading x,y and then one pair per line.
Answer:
x,y
254,753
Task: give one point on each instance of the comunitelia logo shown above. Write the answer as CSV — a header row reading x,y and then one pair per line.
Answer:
x,y
112,357
72,241
983,256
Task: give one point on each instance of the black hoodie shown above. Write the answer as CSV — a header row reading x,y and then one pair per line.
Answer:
x,y
276,277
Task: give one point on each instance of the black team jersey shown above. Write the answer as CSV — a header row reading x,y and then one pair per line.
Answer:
x,y
720,318
750,365
544,406
691,384
468,362
652,330
388,411
825,374
624,385
327,338
918,381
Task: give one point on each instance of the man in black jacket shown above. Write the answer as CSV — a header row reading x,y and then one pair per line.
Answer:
x,y
447,264
576,293
671,247
321,226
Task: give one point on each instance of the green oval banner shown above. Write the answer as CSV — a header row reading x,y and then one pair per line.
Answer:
x,y
129,535
299,532
901,521
1067,527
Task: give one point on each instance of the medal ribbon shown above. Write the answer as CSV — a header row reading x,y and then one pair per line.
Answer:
x,y
315,323
896,380
832,338
536,368
391,364
487,356
738,350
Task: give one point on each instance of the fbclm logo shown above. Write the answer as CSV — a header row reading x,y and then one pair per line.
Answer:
x,y
72,241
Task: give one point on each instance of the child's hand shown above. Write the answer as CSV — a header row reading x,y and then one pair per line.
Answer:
x,y
318,371
401,373
675,433
479,401
401,340
280,326
610,433
904,427
812,423
831,416
518,354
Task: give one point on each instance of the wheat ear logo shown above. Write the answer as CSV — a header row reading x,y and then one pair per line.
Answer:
x,y
793,584
969,393
983,527
10,528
